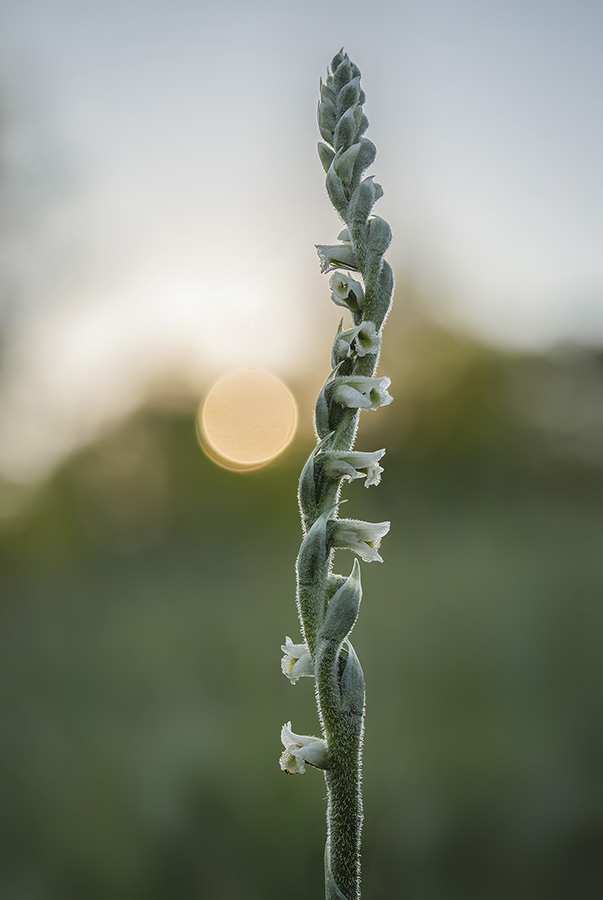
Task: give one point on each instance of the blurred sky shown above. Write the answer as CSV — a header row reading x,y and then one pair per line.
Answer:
x,y
163,194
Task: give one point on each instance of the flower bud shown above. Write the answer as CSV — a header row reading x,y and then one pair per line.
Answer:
x,y
338,59
365,158
326,155
326,119
344,163
363,124
327,92
336,191
362,201
379,235
382,294
346,129
342,73
349,94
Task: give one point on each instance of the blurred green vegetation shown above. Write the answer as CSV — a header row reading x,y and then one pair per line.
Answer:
x,y
145,593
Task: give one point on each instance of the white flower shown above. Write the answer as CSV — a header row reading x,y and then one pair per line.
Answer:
x,y
297,662
363,538
358,341
362,392
346,292
336,256
299,750
353,464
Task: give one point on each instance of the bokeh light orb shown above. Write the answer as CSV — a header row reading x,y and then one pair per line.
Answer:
x,y
247,419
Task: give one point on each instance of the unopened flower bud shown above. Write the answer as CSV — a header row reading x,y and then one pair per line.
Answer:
x,y
362,201
348,127
326,155
345,161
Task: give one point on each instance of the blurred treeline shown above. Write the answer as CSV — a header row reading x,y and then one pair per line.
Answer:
x,y
145,593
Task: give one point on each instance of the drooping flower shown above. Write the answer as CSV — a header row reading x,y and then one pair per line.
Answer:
x,y
299,750
337,256
358,341
346,292
364,538
353,464
296,662
362,392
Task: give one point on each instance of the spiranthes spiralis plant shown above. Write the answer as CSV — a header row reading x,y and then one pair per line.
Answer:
x,y
328,603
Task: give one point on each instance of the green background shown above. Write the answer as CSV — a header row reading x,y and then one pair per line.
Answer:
x,y
145,593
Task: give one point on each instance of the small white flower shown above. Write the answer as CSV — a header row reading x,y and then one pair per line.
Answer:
x,y
358,341
346,292
353,464
299,750
336,256
296,662
362,392
363,538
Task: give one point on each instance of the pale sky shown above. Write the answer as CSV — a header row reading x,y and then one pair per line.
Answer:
x,y
164,195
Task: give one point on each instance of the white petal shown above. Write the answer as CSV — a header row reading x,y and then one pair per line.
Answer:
x,y
350,397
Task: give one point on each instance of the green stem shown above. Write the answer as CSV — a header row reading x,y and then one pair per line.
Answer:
x,y
344,805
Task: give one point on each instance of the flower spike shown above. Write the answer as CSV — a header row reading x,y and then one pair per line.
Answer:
x,y
361,282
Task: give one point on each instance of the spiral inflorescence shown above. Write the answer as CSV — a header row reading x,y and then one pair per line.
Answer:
x,y
361,281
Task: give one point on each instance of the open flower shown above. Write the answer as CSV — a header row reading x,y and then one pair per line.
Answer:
x,y
299,750
358,341
362,392
364,538
336,256
346,292
296,662
353,464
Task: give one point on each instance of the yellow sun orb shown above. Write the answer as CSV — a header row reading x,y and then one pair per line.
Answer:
x,y
248,417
